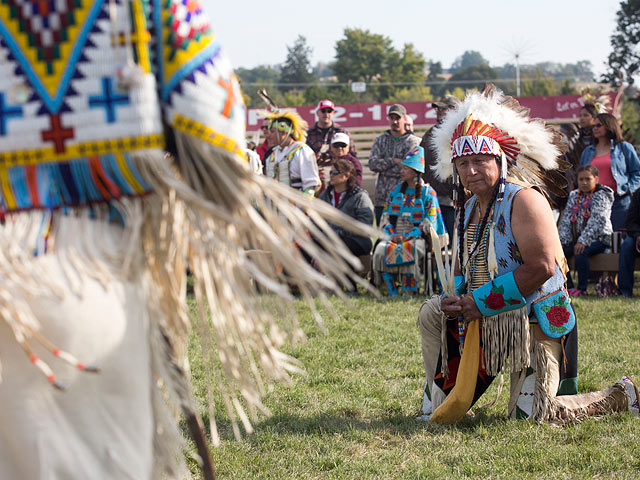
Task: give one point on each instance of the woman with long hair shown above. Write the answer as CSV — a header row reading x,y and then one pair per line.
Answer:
x,y
586,118
617,162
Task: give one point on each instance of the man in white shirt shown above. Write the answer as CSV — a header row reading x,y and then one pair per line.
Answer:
x,y
291,161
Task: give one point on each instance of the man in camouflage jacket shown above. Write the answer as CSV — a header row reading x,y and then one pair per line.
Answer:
x,y
389,149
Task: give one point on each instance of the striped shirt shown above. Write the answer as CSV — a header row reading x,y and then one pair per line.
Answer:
x,y
478,263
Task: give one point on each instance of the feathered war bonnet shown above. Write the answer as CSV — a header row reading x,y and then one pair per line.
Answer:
x,y
495,124
298,127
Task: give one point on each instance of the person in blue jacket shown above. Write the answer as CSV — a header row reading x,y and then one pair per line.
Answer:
x,y
617,162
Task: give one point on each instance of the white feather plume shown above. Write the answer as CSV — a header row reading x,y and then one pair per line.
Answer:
x,y
537,141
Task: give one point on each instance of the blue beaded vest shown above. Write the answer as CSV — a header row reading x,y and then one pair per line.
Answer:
x,y
507,256
507,334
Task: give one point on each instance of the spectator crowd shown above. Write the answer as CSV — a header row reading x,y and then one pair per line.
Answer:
x,y
600,214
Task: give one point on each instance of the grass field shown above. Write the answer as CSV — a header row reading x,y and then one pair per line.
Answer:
x,y
352,414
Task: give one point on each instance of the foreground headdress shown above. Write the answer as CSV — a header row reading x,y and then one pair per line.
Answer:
x,y
91,107
495,124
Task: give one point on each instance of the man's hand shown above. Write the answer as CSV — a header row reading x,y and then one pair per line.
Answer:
x,y
578,248
397,238
469,309
397,160
464,306
451,306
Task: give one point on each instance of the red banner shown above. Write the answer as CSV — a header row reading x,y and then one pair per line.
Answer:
x,y
560,108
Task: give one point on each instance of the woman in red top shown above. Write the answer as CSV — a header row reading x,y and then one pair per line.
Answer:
x,y
617,162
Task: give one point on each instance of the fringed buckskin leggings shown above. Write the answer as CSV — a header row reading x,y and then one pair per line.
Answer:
x,y
533,391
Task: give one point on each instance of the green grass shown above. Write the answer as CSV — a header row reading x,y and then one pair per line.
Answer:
x,y
351,415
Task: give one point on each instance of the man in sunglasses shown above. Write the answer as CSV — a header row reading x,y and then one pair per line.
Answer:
x,y
340,149
320,135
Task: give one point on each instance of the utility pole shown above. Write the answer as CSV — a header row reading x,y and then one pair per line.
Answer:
x,y
516,51
517,74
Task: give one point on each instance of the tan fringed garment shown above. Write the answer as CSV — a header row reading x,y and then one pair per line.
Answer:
x,y
210,230
505,335
102,307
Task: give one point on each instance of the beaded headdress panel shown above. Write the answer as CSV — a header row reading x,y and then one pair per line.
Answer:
x,y
89,84
472,137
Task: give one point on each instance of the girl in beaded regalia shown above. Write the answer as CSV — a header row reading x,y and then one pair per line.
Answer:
x,y
411,210
510,301
100,224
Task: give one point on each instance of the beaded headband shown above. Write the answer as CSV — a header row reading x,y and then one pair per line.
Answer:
x,y
281,126
297,128
473,137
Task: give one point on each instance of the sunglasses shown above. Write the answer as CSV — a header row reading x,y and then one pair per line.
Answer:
x,y
597,124
326,110
335,172
264,127
339,145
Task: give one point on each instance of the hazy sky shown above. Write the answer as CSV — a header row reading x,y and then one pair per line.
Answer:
x,y
566,31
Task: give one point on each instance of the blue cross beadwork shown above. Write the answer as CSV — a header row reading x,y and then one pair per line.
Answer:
x,y
109,100
7,113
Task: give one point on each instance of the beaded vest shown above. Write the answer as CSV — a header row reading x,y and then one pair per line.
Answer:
x,y
408,208
505,256
507,334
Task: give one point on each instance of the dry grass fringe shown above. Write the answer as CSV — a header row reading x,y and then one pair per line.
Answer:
x,y
206,212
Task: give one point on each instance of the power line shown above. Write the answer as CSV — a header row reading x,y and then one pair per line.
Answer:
x,y
413,84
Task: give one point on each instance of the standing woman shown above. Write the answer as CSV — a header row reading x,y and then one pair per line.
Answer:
x,y
586,118
578,138
617,162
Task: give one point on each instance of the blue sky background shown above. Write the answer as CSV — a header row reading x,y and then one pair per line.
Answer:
x,y
257,32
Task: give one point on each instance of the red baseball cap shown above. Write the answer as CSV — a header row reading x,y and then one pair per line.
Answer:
x,y
326,103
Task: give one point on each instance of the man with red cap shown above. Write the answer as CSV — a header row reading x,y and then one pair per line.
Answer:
x,y
320,135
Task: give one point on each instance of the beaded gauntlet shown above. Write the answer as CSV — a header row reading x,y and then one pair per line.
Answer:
x,y
498,295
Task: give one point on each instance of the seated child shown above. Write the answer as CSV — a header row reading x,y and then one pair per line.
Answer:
x,y
585,226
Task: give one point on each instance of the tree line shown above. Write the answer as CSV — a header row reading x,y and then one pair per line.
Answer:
x,y
396,75
405,75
